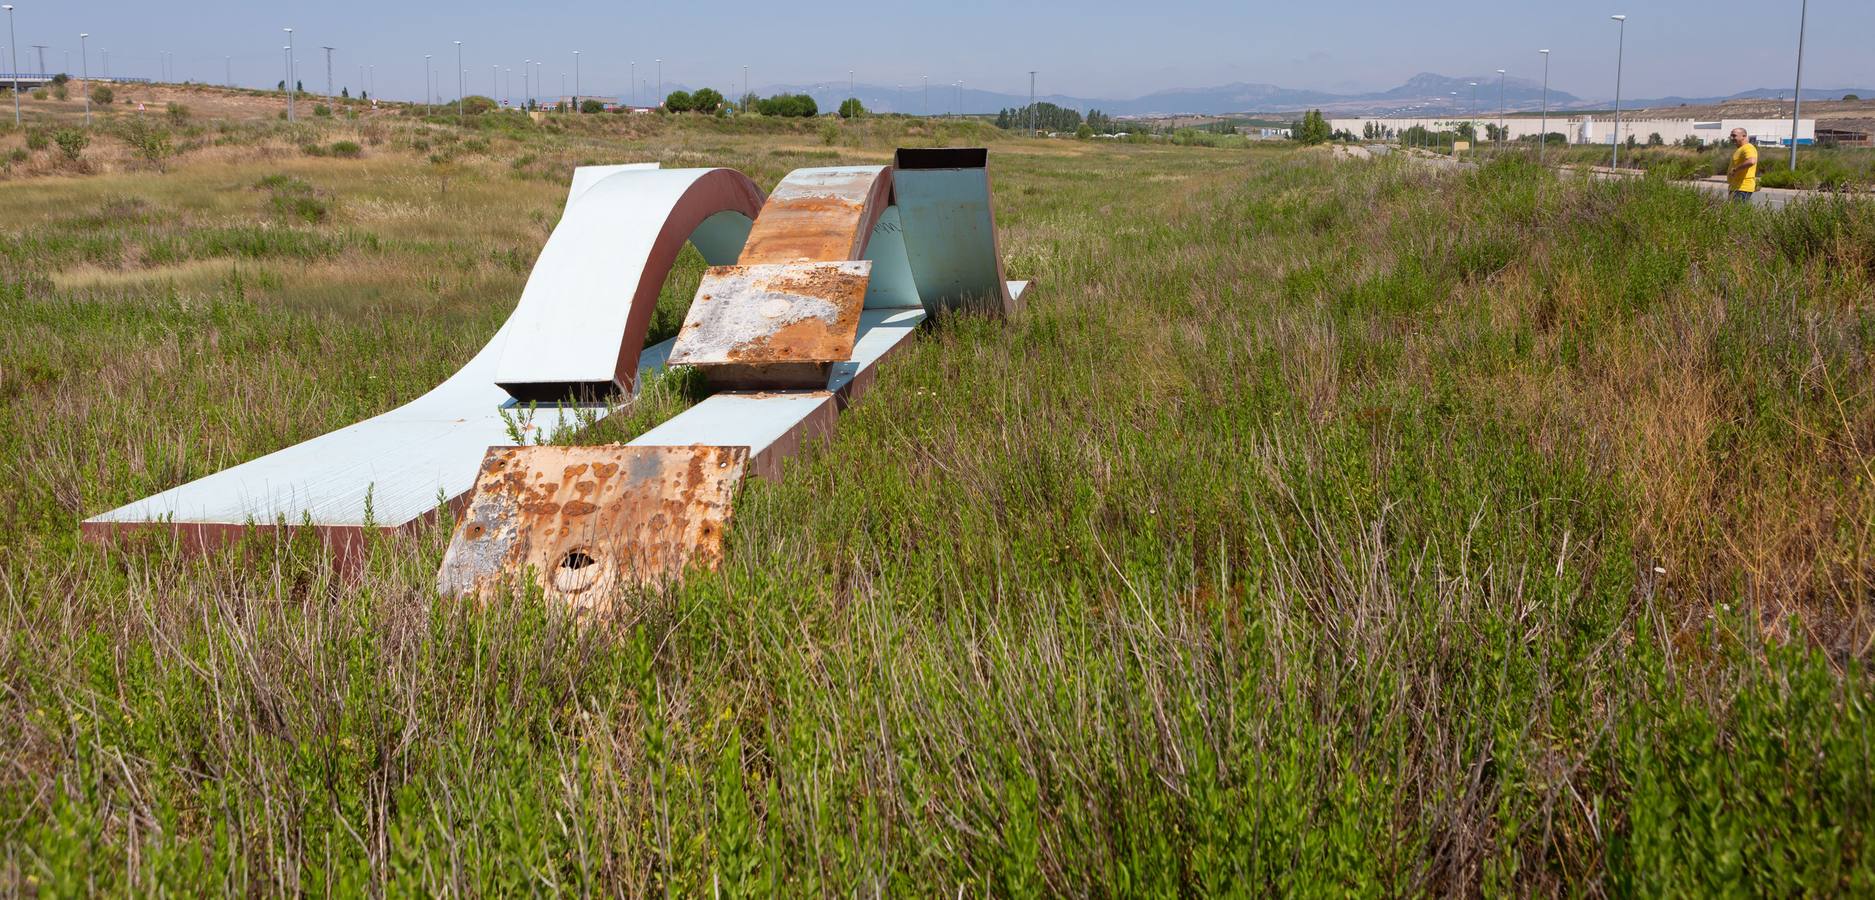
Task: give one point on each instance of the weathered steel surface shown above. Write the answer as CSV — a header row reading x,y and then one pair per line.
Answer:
x,y
819,214
589,523
773,326
949,229
771,425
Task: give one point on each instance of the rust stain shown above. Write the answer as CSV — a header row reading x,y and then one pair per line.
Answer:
x,y
645,515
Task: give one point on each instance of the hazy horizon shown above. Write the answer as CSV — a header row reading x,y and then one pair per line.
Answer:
x,y
1097,50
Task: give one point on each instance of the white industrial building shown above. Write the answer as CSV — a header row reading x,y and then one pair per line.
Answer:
x,y
1580,129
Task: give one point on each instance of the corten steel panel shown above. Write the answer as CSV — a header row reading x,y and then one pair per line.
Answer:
x,y
396,465
819,214
588,303
589,523
773,326
949,229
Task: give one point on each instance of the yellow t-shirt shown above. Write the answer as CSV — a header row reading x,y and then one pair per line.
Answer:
x,y
1746,180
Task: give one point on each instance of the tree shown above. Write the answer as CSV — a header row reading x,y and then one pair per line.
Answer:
x,y
345,92
678,101
1084,132
102,95
851,108
789,105
1851,97
748,102
299,87
706,100
1467,132
1312,130
1654,140
476,104
590,106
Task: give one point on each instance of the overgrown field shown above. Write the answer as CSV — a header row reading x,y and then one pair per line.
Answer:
x,y
1317,528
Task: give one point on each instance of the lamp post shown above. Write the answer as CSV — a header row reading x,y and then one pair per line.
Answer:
x,y
527,74
634,84
1542,137
1803,20
227,71
927,96
458,82
1621,48
84,61
1503,137
290,89
576,81
328,51
1474,118
13,48
660,95
429,85
1031,103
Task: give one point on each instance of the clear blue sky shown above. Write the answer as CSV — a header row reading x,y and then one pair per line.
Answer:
x,y
1091,49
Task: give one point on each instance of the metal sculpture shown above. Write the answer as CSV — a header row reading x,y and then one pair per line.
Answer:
x,y
810,289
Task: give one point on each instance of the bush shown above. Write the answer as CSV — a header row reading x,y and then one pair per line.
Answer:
x,y
347,149
851,108
18,155
475,105
321,111
151,144
177,113
706,100
58,90
312,149
829,132
39,94
591,106
72,142
789,105
1084,131
291,198
36,140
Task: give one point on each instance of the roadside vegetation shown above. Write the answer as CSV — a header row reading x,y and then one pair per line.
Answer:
x,y
1325,528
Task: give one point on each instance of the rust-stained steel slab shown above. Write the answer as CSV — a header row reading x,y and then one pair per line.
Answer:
x,y
819,214
773,326
589,522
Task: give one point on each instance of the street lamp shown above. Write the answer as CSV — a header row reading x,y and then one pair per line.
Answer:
x,y
927,96
576,81
1621,47
328,51
1503,136
1474,118
660,94
1542,137
458,82
290,91
1803,19
84,61
429,85
13,48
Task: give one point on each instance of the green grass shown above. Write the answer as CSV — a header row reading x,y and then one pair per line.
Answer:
x,y
1318,528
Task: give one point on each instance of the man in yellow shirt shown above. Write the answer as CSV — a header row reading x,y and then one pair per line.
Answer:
x,y
1743,175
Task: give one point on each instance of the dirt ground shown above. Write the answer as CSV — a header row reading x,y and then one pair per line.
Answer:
x,y
203,101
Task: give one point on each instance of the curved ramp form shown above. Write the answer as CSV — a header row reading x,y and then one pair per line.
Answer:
x,y
594,287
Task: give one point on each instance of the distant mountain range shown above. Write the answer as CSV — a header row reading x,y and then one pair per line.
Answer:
x,y
1424,94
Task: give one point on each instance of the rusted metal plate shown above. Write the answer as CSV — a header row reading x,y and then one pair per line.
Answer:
x,y
819,214
588,523
773,326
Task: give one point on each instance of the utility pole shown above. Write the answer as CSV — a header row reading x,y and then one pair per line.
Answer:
x,y
576,82
1543,136
660,94
745,85
927,96
328,51
1474,118
1503,137
292,86
227,71
429,85
458,82
84,60
1803,20
1031,103
1621,48
13,49
634,84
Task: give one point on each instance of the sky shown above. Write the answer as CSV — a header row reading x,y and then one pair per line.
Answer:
x,y
1094,49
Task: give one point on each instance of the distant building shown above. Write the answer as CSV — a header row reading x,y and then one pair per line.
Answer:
x,y
1585,129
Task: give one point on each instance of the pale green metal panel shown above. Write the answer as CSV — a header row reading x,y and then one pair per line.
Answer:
x,y
950,236
892,286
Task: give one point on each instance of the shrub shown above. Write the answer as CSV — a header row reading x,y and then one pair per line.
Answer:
x,y
36,140
829,132
591,106
39,94
151,144
789,105
18,155
72,142
321,111
1083,131
706,100
177,113
59,91
314,149
291,198
347,149
475,105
